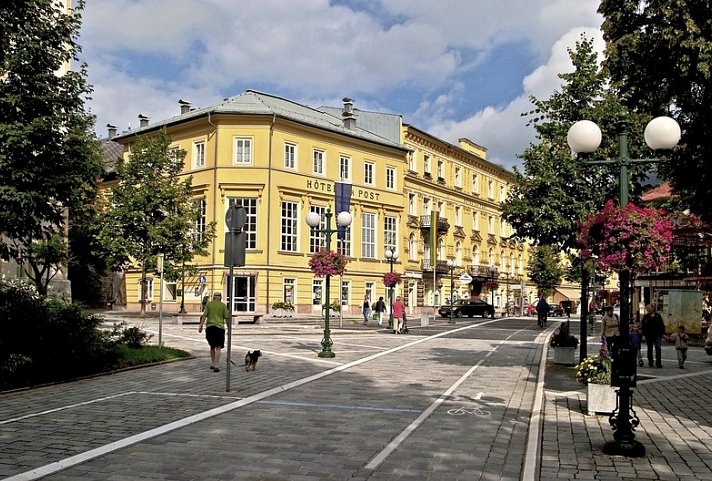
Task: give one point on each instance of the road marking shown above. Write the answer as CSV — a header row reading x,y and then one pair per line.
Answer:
x,y
398,440
80,458
62,408
478,411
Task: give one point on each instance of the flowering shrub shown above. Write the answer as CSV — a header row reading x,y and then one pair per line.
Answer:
x,y
286,305
594,369
390,279
328,263
562,337
637,238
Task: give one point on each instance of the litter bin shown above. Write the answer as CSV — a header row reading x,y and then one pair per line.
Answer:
x,y
424,319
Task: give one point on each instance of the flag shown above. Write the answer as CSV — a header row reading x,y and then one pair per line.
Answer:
x,y
433,238
342,193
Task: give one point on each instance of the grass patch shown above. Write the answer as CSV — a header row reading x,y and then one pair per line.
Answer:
x,y
129,357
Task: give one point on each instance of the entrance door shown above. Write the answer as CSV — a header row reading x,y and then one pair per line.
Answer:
x,y
243,294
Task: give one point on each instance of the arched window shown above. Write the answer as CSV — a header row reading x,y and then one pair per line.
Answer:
x,y
490,258
458,253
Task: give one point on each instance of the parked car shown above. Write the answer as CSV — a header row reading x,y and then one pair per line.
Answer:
x,y
469,308
555,311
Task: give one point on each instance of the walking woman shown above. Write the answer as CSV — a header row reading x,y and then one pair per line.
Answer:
x,y
366,309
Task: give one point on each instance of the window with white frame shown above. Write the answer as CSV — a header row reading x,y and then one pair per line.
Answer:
x,y
317,290
289,226
390,178
316,240
502,228
476,184
475,220
242,150
490,224
368,235
412,161
199,153
288,294
345,293
458,177
458,216
490,189
441,249
149,290
511,264
170,291
426,164
200,221
344,167
458,253
441,208
412,248
290,155
369,292
475,255
343,246
368,173
501,193
427,206
250,227
318,162
490,258
441,169
519,264
426,254
390,233
412,207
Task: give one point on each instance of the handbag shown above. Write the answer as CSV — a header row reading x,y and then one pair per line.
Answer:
x,y
375,316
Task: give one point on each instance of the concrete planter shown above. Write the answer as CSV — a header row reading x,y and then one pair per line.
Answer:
x,y
280,312
565,355
601,398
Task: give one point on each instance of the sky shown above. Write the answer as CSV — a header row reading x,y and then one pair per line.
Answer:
x,y
454,68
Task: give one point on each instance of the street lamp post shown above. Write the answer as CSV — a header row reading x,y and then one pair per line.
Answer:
x,y
313,219
451,266
391,257
585,136
493,274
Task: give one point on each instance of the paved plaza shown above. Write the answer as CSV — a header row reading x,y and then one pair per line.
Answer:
x,y
477,400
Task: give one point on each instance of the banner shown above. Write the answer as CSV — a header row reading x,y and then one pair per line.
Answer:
x,y
342,193
434,239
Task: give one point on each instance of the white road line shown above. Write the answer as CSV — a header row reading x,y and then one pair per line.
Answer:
x,y
398,440
71,461
62,408
531,454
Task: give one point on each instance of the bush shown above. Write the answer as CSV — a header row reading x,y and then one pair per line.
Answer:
x,y
286,305
132,337
562,337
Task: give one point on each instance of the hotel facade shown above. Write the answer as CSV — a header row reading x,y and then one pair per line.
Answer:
x,y
280,161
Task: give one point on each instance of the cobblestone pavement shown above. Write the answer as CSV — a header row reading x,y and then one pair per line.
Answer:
x,y
446,402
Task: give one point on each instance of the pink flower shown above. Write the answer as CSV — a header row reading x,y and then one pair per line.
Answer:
x,y
327,263
390,279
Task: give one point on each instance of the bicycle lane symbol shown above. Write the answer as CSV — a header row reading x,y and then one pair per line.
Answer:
x,y
461,411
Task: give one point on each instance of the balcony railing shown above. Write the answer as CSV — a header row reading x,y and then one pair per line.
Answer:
x,y
443,224
482,271
440,266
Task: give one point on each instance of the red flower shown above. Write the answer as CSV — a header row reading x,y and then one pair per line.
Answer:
x,y
390,279
328,263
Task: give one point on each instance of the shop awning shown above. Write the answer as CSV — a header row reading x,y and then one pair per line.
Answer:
x,y
567,293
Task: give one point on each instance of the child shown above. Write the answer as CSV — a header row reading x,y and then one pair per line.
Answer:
x,y
680,339
636,337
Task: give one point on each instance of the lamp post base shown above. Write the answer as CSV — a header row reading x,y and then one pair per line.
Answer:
x,y
327,354
628,448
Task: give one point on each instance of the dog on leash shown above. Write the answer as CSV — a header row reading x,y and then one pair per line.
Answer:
x,y
251,359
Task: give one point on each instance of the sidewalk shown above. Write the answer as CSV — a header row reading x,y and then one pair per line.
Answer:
x,y
675,411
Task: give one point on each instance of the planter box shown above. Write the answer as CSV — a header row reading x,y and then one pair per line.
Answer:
x,y
601,398
565,355
280,312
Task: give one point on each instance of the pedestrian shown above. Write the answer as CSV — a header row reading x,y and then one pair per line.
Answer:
x,y
680,340
398,314
215,313
653,330
610,327
636,337
379,308
542,311
366,309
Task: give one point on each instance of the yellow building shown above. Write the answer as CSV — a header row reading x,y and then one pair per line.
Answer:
x,y
280,160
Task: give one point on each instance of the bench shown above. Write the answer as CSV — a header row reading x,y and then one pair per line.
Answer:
x,y
256,319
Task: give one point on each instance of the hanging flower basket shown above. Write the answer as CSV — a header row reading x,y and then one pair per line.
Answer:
x,y
328,263
390,279
630,237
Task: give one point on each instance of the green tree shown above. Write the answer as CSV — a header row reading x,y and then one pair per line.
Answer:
x,y
556,189
544,269
151,210
659,56
49,159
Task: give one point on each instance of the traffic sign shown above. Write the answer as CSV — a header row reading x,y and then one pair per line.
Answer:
x,y
465,278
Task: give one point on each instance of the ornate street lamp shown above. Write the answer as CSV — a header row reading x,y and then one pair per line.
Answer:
x,y
585,136
391,257
313,219
451,266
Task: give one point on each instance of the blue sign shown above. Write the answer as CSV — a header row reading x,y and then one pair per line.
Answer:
x,y
202,279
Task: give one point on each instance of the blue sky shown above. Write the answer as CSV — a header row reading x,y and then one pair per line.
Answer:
x,y
455,68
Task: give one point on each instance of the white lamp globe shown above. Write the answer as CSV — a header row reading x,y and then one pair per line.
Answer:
x,y
389,254
662,133
394,256
343,219
450,263
584,136
313,219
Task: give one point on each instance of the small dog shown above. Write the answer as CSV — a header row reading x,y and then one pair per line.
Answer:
x,y
251,359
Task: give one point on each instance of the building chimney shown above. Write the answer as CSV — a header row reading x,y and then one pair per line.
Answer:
x,y
142,121
348,114
184,106
112,130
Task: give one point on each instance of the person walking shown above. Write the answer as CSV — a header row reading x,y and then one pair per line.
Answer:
x,y
215,313
379,308
366,309
653,331
610,327
398,313
680,340
636,338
